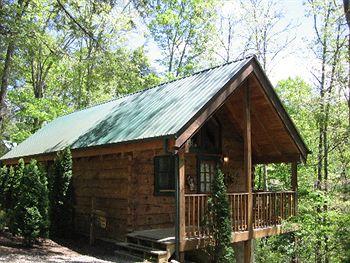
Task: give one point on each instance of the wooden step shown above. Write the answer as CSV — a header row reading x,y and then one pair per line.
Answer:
x,y
169,246
147,242
144,252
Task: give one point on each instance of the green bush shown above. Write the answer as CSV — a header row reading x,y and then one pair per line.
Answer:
x,y
24,201
61,195
219,223
3,177
11,193
30,215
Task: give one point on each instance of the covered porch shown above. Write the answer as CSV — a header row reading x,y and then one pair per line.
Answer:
x,y
244,126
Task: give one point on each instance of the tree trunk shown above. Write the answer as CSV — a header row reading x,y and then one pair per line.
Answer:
x,y
8,61
5,79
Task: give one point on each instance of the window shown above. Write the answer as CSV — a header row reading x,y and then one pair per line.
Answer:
x,y
164,176
207,171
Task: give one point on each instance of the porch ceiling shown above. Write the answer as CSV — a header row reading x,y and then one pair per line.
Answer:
x,y
271,141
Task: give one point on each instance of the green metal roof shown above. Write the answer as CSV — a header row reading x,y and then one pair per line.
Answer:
x,y
156,112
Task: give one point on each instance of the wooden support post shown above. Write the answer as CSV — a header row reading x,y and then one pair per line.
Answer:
x,y
180,226
294,183
182,200
294,180
248,171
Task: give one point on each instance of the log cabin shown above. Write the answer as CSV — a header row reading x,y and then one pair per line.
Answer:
x,y
143,164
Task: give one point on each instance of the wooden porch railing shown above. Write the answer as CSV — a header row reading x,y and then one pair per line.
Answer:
x,y
269,209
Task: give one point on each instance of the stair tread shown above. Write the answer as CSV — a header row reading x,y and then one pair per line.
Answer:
x,y
141,248
148,243
151,239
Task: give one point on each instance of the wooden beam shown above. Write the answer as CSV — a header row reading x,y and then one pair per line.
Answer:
x,y
284,158
248,171
242,236
294,183
182,223
294,179
239,127
212,106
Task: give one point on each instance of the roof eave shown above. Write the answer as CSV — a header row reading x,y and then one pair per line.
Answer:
x,y
51,155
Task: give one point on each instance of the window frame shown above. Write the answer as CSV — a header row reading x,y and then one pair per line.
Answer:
x,y
157,189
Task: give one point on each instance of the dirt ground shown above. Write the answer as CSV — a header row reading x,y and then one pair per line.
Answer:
x,y
60,250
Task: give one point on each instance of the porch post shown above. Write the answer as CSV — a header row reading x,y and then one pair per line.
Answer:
x,y
294,183
180,206
248,172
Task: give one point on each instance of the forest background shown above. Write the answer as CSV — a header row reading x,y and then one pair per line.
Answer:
x,y
58,56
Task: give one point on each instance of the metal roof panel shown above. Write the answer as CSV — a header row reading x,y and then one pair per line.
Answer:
x,y
155,112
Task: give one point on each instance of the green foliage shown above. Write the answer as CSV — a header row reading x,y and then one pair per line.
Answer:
x,y
8,193
324,227
182,30
219,222
61,195
3,182
277,249
29,217
60,66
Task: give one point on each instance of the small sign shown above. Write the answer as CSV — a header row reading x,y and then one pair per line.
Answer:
x,y
102,222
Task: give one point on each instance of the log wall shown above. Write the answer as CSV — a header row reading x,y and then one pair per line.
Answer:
x,y
102,183
119,188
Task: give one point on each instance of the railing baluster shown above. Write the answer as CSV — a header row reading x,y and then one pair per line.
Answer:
x,y
235,212
242,213
258,200
245,212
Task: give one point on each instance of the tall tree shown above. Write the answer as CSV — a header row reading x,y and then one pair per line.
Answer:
x,y
72,54
328,47
182,30
347,16
265,32
11,17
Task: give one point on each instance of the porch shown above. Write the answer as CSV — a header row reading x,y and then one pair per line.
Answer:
x,y
269,211
247,129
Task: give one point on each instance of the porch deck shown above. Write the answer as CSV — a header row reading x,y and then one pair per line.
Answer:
x,y
166,236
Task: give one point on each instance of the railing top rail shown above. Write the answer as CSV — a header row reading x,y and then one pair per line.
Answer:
x,y
195,195
243,193
275,192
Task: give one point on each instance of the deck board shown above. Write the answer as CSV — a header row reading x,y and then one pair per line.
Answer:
x,y
164,235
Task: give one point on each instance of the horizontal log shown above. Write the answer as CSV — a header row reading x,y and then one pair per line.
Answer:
x,y
145,220
146,209
103,193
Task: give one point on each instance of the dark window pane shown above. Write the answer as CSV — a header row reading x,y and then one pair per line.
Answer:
x,y
164,175
206,174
